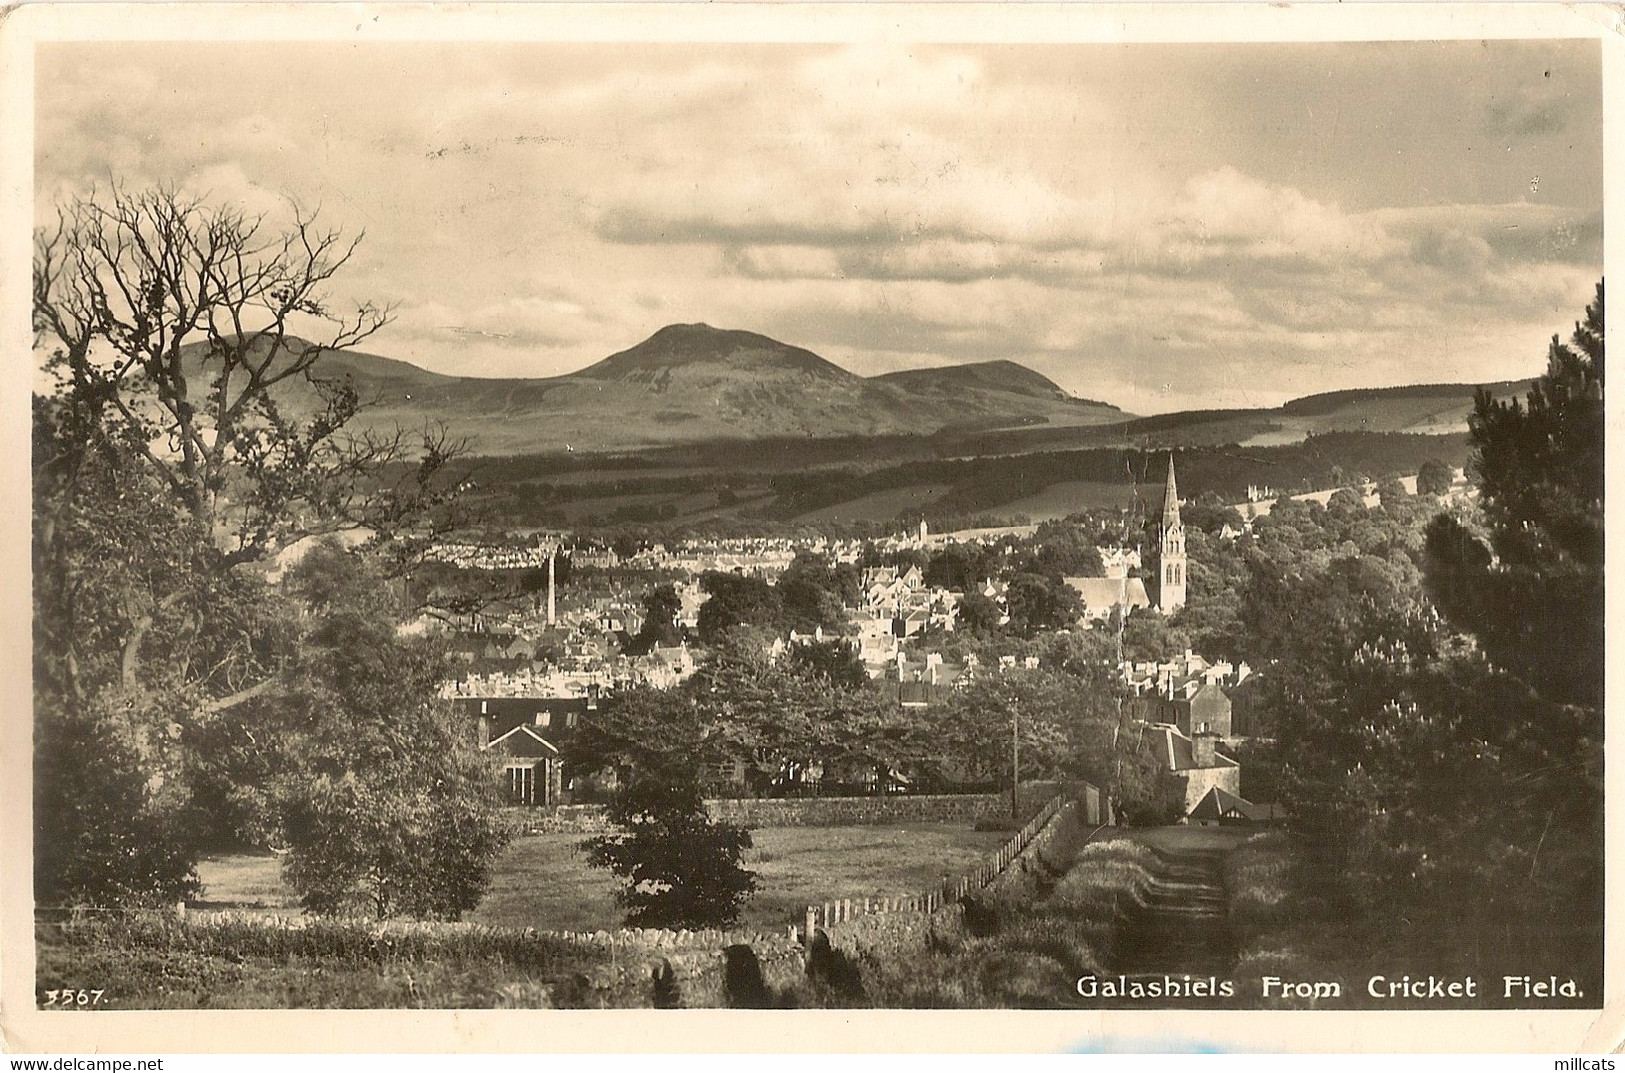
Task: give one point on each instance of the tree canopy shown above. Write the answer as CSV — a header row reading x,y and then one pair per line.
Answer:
x,y
183,433
1441,746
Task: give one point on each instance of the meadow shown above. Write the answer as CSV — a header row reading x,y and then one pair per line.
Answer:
x,y
543,881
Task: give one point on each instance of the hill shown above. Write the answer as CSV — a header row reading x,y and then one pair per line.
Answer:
x,y
690,383
679,350
1003,376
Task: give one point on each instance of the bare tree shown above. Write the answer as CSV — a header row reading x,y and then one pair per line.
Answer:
x,y
176,322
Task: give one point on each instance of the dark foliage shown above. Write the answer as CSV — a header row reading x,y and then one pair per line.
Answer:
x,y
159,651
1532,592
678,867
1434,478
1423,778
735,600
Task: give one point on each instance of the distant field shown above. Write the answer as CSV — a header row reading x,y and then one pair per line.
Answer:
x,y
543,882
1068,497
880,506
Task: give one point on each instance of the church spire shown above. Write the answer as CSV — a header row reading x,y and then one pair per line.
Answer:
x,y
1171,591
1170,497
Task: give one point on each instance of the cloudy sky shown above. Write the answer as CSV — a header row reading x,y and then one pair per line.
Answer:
x,y
1160,226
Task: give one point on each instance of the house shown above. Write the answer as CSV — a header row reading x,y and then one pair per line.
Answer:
x,y
1189,692
1199,706
1103,595
666,666
1223,807
920,684
530,766
1198,765
476,645
521,736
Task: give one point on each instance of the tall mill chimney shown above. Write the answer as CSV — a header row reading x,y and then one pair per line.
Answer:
x,y
552,553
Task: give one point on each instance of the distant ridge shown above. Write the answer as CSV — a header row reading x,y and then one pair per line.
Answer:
x,y
691,383
997,375
1329,401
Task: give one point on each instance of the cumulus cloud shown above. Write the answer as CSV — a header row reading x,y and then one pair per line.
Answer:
x,y
529,209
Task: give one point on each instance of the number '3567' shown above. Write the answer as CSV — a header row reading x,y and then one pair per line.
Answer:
x,y
71,997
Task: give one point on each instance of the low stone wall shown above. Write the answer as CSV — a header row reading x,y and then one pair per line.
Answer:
x,y
615,969
889,809
564,819
812,811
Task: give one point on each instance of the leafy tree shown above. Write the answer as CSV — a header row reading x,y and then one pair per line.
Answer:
x,y
143,638
840,581
661,606
1391,492
384,800
643,727
959,567
1434,478
837,662
1346,503
1037,602
1069,724
1060,550
1448,776
979,613
1218,575
807,605
1034,705
1210,514
678,867
184,430
1149,635
736,600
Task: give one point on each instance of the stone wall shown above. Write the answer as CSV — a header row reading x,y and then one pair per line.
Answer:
x,y
813,811
894,808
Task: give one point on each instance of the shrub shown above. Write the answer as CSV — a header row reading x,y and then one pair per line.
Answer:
x,y
1107,880
1257,878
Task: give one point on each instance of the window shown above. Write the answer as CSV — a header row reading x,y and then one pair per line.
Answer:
x,y
544,718
522,784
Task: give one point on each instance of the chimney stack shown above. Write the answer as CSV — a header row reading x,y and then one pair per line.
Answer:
x,y
1204,748
552,553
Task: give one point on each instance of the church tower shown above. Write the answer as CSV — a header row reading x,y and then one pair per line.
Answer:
x,y
1171,590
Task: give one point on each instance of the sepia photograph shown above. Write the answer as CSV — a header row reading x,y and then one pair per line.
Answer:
x,y
805,523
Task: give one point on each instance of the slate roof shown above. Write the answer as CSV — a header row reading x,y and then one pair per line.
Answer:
x,y
1181,758
1218,804
524,741
506,714
1104,593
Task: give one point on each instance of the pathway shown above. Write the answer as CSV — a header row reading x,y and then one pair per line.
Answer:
x,y
1184,930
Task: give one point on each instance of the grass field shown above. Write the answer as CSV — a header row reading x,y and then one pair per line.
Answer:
x,y
543,882
1067,497
878,506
